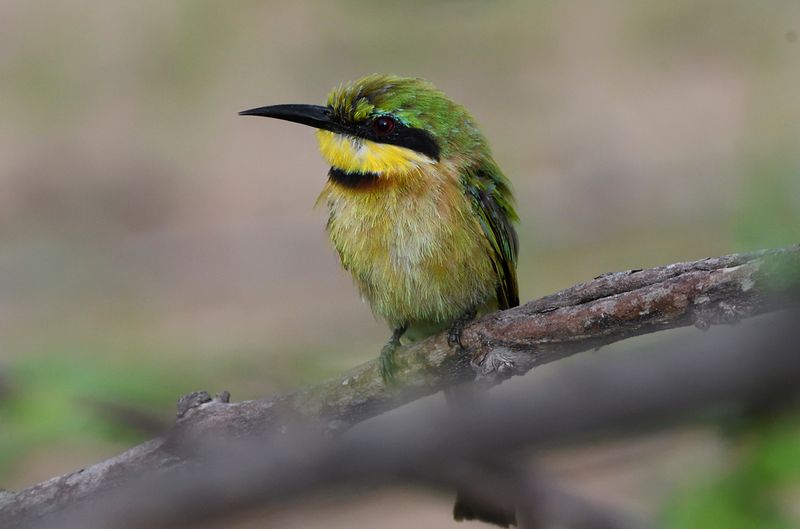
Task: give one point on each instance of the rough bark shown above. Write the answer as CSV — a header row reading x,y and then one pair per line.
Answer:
x,y
750,374
607,309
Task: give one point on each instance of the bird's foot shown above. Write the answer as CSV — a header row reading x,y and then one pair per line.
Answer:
x,y
386,361
457,328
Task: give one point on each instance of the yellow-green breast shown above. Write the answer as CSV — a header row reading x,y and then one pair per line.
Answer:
x,y
413,246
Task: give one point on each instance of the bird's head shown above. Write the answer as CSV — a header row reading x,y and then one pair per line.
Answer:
x,y
386,127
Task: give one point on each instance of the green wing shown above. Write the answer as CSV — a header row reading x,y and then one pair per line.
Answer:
x,y
493,204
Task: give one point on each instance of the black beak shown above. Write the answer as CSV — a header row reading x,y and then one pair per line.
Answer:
x,y
312,115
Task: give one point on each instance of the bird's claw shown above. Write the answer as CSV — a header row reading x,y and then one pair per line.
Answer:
x,y
454,334
386,361
457,328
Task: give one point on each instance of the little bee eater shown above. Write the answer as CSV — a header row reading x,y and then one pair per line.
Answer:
x,y
420,213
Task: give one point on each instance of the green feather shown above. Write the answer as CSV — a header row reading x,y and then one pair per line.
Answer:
x,y
492,203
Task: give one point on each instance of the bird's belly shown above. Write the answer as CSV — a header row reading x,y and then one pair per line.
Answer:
x,y
415,265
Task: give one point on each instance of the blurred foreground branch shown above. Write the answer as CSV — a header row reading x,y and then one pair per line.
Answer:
x,y
609,308
752,367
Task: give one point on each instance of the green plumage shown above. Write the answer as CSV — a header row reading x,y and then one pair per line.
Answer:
x,y
430,237
420,213
492,203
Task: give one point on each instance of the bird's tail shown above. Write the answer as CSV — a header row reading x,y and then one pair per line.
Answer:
x,y
468,508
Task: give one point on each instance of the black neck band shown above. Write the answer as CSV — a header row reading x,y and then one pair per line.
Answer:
x,y
352,180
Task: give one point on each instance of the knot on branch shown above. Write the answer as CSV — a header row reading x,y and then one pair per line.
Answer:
x,y
195,399
497,365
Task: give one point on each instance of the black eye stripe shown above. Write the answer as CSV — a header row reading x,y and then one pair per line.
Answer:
x,y
415,139
418,140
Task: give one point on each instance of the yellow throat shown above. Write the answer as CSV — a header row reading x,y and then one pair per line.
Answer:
x,y
357,155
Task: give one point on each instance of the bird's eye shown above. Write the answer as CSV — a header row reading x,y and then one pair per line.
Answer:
x,y
383,125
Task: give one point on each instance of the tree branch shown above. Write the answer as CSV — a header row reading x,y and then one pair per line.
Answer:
x,y
609,308
754,367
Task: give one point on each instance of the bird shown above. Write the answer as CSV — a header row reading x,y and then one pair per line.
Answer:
x,y
419,212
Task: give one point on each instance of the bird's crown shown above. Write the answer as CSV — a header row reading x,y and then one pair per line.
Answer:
x,y
378,106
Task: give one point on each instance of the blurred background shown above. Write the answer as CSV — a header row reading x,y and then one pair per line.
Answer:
x,y
154,243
